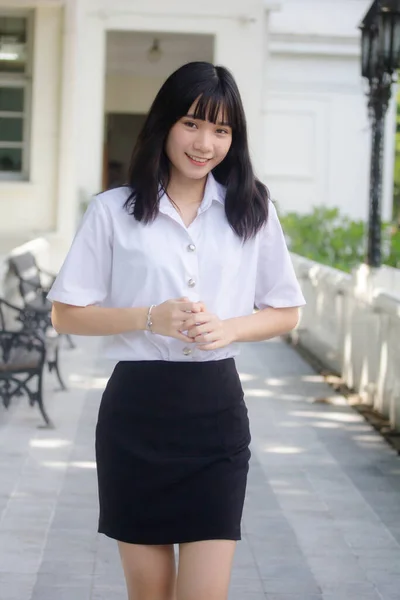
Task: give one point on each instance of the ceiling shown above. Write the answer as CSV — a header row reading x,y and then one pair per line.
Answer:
x,y
127,52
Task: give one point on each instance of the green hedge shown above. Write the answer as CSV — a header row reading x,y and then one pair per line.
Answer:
x,y
333,239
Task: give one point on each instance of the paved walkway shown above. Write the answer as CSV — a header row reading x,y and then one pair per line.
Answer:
x,y
322,514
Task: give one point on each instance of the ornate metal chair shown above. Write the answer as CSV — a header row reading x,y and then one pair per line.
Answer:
x,y
33,289
22,359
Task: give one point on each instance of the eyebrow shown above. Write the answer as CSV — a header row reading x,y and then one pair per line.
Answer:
x,y
223,123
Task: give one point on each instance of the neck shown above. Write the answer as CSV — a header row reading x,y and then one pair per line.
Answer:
x,y
185,191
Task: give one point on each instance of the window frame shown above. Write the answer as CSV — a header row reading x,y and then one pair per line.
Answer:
x,y
20,80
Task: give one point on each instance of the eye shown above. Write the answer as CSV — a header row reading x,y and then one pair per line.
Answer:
x,y
190,124
223,131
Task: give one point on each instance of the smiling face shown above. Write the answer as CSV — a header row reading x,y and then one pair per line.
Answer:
x,y
195,147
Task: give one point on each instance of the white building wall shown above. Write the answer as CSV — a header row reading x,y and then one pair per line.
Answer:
x,y
317,131
130,94
29,207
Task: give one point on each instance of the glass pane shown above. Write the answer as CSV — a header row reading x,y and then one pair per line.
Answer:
x,y
11,99
11,159
11,130
13,33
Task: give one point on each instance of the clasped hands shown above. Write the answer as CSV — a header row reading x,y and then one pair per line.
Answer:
x,y
192,323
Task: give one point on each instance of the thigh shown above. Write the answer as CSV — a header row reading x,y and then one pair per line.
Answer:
x,y
149,571
205,570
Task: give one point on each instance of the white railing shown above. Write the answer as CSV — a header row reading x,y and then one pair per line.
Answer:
x,y
352,325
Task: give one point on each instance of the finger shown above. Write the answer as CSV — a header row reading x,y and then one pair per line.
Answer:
x,y
207,347
199,319
184,338
200,330
207,337
189,307
199,307
194,331
191,325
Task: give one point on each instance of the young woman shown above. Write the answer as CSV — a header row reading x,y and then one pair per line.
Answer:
x,y
169,268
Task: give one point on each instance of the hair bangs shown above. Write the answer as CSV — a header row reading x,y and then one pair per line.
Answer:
x,y
216,107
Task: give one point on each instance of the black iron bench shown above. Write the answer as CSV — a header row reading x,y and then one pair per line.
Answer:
x,y
26,345
32,287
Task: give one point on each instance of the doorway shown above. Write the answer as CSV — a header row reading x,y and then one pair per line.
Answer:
x,y
137,64
122,133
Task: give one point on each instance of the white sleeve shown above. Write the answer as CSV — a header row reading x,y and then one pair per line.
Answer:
x,y
276,283
84,277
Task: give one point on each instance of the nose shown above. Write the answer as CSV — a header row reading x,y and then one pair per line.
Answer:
x,y
203,142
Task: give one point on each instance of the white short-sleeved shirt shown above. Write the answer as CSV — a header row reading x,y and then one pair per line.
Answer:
x,y
116,261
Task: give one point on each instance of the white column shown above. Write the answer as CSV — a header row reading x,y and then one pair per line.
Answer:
x,y
67,190
90,105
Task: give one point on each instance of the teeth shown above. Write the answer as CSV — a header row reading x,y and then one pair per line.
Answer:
x,y
202,160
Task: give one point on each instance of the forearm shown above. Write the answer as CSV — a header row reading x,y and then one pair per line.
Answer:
x,y
97,320
264,324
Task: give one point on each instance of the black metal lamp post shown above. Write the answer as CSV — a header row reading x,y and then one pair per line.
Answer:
x,y
380,59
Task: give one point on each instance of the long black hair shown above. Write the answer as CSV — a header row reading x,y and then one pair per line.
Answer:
x,y
246,202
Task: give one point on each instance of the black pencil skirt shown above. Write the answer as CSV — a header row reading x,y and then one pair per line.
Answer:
x,y
172,451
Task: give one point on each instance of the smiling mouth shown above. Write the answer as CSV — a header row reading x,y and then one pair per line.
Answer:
x,y
197,160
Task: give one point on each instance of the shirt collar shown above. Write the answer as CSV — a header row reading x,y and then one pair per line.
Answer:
x,y
212,192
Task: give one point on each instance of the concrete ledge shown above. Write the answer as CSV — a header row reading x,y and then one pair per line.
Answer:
x,y
351,323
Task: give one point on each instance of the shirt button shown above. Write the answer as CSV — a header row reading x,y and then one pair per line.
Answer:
x,y
191,283
186,351
191,248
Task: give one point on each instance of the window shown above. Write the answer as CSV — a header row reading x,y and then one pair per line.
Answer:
x,y
15,84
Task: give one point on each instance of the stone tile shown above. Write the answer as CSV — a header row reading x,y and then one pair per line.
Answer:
x,y
324,544
238,595
348,591
344,596
74,567
385,575
337,568
389,591
23,509
18,525
264,526
108,577
17,563
390,562
244,585
291,586
106,593
63,544
84,519
382,539
245,572
60,593
284,569
16,586
299,596
63,579
266,549
16,591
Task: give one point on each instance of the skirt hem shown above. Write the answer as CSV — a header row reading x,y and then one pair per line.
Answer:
x,y
167,541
